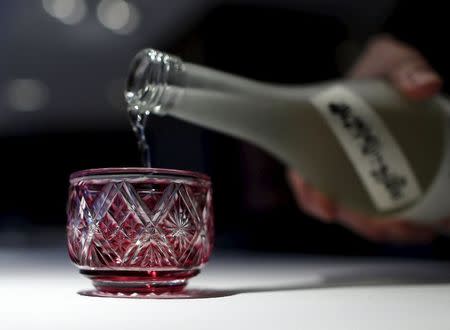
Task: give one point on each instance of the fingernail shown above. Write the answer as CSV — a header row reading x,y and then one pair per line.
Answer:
x,y
423,78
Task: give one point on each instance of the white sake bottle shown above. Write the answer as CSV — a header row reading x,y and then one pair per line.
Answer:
x,y
360,142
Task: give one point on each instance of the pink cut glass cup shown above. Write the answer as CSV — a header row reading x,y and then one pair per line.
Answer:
x,y
139,230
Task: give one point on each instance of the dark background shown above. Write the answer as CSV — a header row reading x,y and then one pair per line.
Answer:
x,y
62,73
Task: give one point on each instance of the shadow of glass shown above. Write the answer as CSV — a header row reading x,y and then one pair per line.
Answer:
x,y
349,279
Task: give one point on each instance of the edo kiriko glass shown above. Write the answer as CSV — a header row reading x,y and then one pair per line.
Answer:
x,y
139,230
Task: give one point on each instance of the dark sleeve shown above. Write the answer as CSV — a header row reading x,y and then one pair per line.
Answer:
x,y
424,25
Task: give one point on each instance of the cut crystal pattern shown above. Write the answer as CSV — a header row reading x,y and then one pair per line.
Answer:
x,y
139,225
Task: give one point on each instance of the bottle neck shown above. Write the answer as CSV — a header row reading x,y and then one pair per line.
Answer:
x,y
155,82
158,81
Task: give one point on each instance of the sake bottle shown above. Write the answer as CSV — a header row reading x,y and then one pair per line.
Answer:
x,y
360,142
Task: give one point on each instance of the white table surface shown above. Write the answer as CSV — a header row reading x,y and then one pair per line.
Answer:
x,y
38,290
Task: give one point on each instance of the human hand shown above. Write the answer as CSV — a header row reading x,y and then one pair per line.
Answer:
x,y
408,71
403,65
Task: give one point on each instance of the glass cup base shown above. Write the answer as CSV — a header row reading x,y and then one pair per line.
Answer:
x,y
126,282
183,294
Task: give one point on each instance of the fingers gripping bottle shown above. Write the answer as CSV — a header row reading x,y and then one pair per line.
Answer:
x,y
360,142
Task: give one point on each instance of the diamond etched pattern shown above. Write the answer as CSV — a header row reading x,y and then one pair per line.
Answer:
x,y
126,224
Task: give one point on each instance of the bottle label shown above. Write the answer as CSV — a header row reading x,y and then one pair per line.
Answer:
x,y
375,154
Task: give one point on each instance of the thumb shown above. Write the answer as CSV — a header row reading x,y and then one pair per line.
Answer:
x,y
415,78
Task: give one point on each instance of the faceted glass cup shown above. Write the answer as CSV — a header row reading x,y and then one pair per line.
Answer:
x,y
139,230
